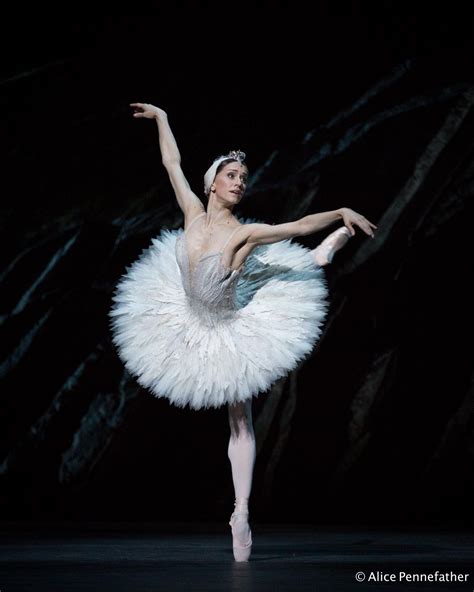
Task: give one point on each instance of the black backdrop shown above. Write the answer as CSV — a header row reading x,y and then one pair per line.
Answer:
x,y
230,76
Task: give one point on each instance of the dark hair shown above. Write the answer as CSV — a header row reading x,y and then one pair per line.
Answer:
x,y
227,161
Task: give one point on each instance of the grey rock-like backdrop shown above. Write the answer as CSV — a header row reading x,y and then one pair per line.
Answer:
x,y
376,425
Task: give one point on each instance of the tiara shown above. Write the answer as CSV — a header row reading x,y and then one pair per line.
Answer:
x,y
236,154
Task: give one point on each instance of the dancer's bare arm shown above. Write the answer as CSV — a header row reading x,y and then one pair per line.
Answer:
x,y
188,201
262,234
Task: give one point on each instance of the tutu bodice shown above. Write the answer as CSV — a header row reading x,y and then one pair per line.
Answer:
x,y
211,286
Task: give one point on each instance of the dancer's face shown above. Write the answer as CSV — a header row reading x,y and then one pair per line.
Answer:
x,y
231,182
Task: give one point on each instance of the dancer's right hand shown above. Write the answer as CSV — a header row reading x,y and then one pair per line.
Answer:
x,y
146,110
351,217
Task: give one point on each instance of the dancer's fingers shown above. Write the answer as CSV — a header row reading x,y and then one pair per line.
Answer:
x,y
366,228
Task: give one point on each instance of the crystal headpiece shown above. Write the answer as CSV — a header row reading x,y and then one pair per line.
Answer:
x,y
211,172
237,154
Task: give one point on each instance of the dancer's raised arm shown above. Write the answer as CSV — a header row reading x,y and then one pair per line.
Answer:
x,y
188,201
261,234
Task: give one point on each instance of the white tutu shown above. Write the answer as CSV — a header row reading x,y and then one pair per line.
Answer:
x,y
220,336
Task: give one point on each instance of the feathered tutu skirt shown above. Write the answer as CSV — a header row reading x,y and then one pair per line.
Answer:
x,y
281,303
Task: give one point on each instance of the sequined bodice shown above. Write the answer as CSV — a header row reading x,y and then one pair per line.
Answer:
x,y
210,286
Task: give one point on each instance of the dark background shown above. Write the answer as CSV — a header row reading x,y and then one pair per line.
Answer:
x,y
259,79
255,77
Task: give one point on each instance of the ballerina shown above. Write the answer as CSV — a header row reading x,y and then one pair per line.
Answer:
x,y
213,314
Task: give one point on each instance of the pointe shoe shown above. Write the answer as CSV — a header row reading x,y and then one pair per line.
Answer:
x,y
324,253
241,535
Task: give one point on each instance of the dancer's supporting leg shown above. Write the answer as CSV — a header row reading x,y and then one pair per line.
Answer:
x,y
242,453
325,251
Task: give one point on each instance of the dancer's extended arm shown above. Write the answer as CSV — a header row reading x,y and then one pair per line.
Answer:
x,y
262,234
188,201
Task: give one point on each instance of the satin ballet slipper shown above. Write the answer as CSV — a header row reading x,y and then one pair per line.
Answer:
x,y
324,253
241,535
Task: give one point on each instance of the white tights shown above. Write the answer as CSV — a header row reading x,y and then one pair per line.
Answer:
x,y
241,451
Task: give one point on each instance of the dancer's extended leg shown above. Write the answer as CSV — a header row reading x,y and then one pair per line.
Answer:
x,y
325,251
242,453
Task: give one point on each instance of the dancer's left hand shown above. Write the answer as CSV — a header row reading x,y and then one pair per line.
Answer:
x,y
147,110
350,217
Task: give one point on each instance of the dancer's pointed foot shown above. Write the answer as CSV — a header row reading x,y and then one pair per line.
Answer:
x,y
324,253
241,533
241,536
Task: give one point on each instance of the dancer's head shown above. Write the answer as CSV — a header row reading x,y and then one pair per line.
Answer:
x,y
228,174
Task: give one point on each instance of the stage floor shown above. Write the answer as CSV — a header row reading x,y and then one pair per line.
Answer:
x,y
194,557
